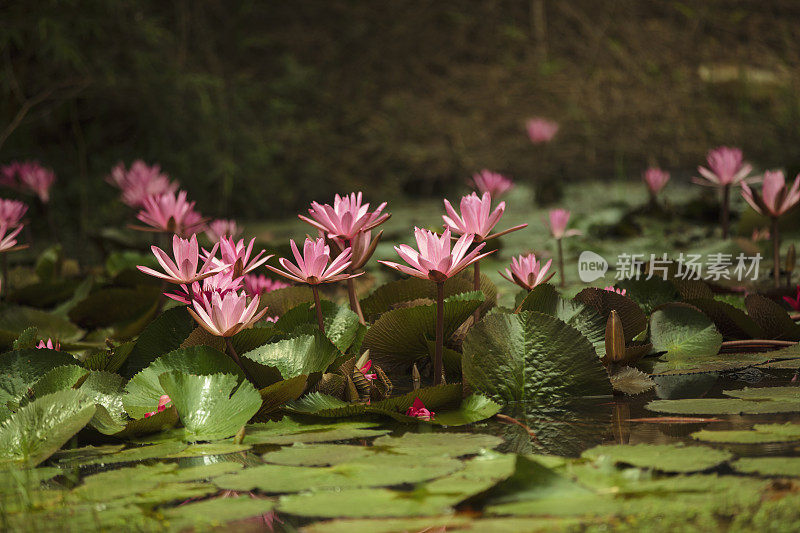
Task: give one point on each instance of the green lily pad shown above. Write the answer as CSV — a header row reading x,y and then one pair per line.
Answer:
x,y
210,448
760,434
276,395
215,512
163,335
439,444
362,503
59,378
289,431
634,321
16,319
290,358
135,454
664,457
772,318
649,293
144,389
395,525
722,406
683,331
341,324
319,454
732,322
769,466
21,369
211,407
282,300
478,475
531,357
766,393
109,306
37,430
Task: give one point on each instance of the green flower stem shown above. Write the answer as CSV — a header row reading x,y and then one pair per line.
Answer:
x,y
318,307
776,253
355,305
476,285
561,263
725,213
438,369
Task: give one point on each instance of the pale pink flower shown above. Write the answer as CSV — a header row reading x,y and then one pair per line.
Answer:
x,y
272,319
11,212
541,130
312,266
38,180
655,178
140,182
476,217
346,218
775,198
162,404
222,283
217,229
184,269
611,288
170,213
434,260
237,256
492,182
226,315
362,246
527,272
8,174
8,241
418,410
558,220
725,167
762,234
366,368
49,345
256,285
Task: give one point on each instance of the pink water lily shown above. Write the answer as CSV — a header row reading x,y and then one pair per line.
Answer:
x,y
236,255
30,176
527,272
476,217
611,288
435,260
418,410
725,167
655,179
346,218
794,303
492,182
49,345
170,213
312,266
11,212
222,283
163,400
217,229
184,268
226,315
8,240
366,368
540,130
140,182
775,198
256,285
558,220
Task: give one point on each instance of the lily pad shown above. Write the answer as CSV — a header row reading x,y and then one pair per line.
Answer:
x,y
21,369
769,466
135,454
161,336
649,293
766,393
773,319
341,324
683,331
210,448
722,406
215,512
289,431
732,322
16,319
439,444
363,503
634,321
319,454
290,358
664,457
760,434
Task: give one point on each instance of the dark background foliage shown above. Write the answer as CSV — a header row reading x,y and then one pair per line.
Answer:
x,y
259,106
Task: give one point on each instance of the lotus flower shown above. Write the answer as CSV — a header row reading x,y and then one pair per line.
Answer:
x,y
184,269
760,235
11,212
611,288
559,218
8,241
418,410
256,285
226,315
31,176
217,229
49,345
775,199
476,217
366,368
794,303
140,182
237,256
725,167
527,272
655,178
346,218
162,404
541,130
222,283
492,182
312,267
170,213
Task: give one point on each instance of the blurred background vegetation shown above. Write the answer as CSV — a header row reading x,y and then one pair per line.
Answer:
x,y
257,107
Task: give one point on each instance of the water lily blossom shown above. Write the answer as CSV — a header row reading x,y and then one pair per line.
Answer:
x,y
655,179
162,405
140,182
725,168
794,303
49,345
476,217
492,182
558,221
186,268
170,213
347,217
217,229
611,288
8,240
237,255
11,212
258,284
222,283
226,315
776,199
418,410
527,272
540,130
366,368
30,176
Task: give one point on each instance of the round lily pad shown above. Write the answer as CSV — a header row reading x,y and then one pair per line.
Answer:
x,y
363,503
664,457
760,434
318,454
769,466
444,444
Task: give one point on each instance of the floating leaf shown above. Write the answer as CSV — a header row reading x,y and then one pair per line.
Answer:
x,y
634,321
20,369
722,406
139,453
59,378
290,431
16,319
649,293
771,318
766,393
439,444
683,331
161,336
341,324
733,323
209,448
362,503
38,429
110,306
280,393
211,407
290,358
760,434
301,454
664,457
769,466
215,512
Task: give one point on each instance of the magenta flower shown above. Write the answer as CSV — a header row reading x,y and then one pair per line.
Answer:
x,y
492,182
8,241
611,288
11,212
30,176
312,267
217,229
49,345
222,283
184,269
541,130
434,260
794,303
162,404
140,182
418,410
237,256
170,213
256,285
527,272
226,315
366,368
476,217
725,167
558,220
655,178
346,218
775,198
